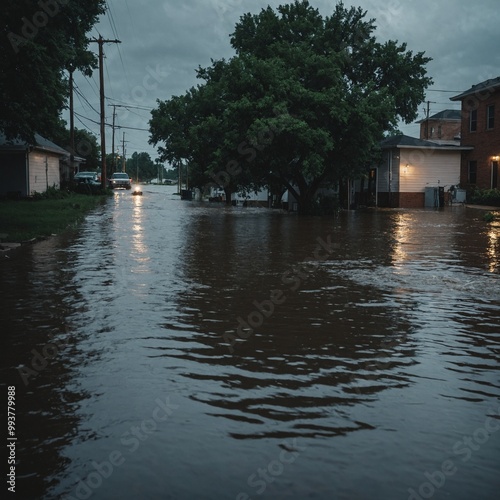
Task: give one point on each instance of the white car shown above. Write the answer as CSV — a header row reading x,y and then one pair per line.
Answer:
x,y
86,178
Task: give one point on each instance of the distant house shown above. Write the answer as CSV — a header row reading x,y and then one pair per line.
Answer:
x,y
444,126
29,168
409,168
481,131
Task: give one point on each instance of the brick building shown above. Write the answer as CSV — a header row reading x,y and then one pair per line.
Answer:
x,y
444,126
481,131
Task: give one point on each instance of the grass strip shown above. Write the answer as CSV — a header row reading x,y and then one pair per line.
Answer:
x,y
24,220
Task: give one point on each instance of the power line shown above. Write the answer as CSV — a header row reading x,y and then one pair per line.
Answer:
x,y
110,125
81,96
115,32
450,91
126,105
86,126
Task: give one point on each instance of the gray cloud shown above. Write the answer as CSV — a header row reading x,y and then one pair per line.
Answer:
x,y
462,38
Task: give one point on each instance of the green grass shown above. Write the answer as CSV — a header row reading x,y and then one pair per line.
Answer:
x,y
23,220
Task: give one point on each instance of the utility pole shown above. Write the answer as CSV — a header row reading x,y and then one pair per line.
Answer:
x,y
427,119
71,126
101,43
113,165
123,157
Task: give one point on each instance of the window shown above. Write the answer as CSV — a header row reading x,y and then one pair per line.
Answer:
x,y
473,120
494,174
490,117
472,172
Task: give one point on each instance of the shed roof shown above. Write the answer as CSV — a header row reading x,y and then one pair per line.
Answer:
x,y
40,143
406,142
491,84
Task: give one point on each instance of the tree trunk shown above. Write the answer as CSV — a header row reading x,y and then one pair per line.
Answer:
x,y
228,192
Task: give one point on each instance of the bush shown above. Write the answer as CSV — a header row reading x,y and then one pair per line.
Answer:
x,y
52,193
489,197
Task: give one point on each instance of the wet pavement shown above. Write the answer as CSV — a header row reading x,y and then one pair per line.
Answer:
x,y
172,349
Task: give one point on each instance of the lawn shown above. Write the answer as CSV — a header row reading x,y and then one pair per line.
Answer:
x,y
23,220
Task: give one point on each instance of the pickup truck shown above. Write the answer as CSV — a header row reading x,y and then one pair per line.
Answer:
x,y
120,180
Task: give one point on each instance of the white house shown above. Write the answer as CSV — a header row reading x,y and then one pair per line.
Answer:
x,y
26,168
410,167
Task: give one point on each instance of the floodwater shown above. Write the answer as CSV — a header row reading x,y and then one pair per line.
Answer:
x,y
177,350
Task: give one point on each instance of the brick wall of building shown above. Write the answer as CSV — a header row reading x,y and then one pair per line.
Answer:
x,y
444,130
486,142
411,200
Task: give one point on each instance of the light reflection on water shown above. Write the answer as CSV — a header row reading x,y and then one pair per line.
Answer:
x,y
366,373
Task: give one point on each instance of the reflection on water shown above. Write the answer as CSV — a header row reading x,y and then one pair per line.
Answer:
x,y
210,352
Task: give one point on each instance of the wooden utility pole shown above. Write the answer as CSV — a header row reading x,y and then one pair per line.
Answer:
x,y
101,43
113,164
71,126
123,158
427,119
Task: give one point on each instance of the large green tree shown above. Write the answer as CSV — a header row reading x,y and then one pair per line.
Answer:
x,y
343,90
40,41
303,104
207,127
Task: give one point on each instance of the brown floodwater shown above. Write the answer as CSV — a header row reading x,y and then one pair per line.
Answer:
x,y
180,350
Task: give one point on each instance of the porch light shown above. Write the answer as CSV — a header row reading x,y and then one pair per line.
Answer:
x,y
405,168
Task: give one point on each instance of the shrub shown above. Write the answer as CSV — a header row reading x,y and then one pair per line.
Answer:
x,y
52,193
489,197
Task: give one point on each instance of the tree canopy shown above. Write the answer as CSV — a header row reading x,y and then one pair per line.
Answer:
x,y
303,104
141,167
39,42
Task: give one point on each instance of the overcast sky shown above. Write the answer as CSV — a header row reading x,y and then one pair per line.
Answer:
x,y
164,41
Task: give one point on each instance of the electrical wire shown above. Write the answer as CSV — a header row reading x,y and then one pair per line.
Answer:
x,y
110,124
81,96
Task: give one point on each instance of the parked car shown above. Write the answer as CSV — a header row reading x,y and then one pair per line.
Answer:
x,y
120,180
86,178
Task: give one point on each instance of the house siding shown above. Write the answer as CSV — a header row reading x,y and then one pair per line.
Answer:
x,y
414,169
428,168
44,171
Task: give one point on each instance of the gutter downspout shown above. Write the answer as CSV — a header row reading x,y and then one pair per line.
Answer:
x,y
27,168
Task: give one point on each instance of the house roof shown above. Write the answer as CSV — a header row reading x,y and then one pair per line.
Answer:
x,y
491,84
40,143
446,115
406,142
